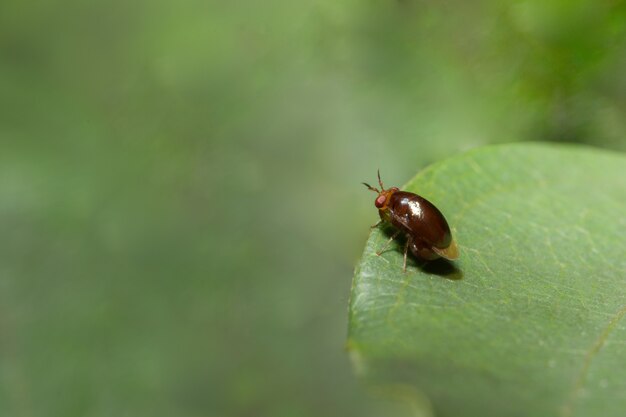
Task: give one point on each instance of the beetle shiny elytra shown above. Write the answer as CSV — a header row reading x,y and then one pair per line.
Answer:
x,y
427,232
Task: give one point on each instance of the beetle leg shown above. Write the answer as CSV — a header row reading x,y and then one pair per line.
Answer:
x,y
376,225
388,242
406,250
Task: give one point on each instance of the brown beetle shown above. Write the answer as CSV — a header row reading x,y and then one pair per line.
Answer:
x,y
427,232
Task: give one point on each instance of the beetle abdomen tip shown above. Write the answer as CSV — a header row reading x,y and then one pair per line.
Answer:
x,y
450,253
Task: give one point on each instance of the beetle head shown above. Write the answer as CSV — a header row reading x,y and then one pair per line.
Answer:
x,y
383,195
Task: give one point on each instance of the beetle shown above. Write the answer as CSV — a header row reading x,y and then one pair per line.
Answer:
x,y
428,235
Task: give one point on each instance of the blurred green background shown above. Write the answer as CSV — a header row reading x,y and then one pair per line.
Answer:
x,y
180,198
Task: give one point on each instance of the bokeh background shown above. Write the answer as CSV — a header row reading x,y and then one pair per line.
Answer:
x,y
180,198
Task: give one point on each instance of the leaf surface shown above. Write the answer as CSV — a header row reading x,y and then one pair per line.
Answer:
x,y
530,320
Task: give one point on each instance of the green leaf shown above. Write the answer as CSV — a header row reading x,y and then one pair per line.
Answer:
x,y
530,320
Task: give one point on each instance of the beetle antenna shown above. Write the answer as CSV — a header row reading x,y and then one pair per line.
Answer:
x,y
369,187
380,181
